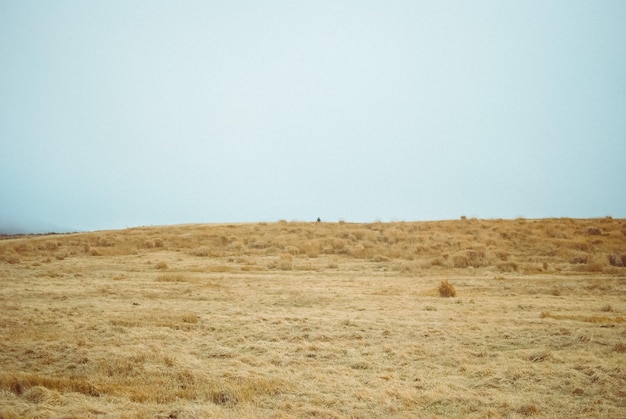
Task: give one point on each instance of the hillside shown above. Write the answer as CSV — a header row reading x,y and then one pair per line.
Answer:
x,y
524,246
292,319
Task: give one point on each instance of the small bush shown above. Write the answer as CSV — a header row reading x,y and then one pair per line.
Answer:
x,y
172,278
190,318
617,260
595,267
286,262
436,262
446,289
475,257
94,251
502,255
528,410
507,267
161,265
11,259
224,397
201,252
292,250
460,261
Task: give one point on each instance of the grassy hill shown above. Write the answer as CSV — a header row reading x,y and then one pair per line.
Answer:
x,y
292,319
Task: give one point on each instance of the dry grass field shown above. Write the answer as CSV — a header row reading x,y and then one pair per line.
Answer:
x,y
465,318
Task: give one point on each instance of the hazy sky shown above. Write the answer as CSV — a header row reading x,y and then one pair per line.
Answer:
x,y
122,113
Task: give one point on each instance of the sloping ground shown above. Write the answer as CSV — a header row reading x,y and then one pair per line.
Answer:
x,y
317,319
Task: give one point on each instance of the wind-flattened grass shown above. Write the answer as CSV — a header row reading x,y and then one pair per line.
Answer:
x,y
143,318
584,318
20,382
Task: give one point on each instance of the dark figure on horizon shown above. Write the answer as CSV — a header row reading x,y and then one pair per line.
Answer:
x,y
319,220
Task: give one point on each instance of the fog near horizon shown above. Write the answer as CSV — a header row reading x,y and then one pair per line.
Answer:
x,y
125,113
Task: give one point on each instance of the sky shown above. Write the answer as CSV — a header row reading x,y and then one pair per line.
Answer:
x,y
124,113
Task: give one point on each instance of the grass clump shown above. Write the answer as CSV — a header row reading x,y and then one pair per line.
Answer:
x,y
446,289
528,410
173,278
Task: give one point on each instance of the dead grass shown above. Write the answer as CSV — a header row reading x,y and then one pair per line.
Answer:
x,y
174,277
317,319
446,289
584,318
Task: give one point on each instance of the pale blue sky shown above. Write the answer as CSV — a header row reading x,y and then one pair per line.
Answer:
x,y
122,113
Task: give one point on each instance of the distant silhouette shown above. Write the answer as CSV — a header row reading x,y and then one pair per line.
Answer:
x,y
318,219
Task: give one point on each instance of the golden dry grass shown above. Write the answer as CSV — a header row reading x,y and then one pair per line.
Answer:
x,y
317,320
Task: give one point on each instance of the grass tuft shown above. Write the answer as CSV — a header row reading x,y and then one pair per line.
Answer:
x,y
173,278
446,289
528,410
540,356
